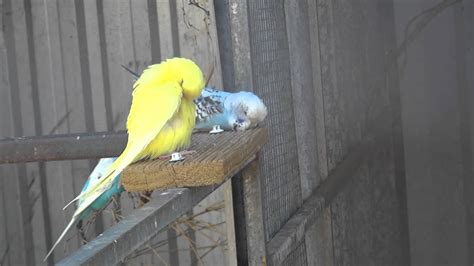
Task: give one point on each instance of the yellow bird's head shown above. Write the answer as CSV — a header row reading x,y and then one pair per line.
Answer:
x,y
189,76
181,70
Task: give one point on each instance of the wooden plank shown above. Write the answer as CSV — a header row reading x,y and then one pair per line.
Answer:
x,y
319,237
240,224
96,72
165,29
322,170
41,219
119,51
24,121
297,25
50,81
75,172
140,34
217,158
198,37
357,108
154,33
329,86
299,41
321,246
252,200
38,204
6,130
19,234
230,226
346,116
234,44
114,245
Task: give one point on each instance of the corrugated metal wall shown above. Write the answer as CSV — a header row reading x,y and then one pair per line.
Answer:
x,y
59,73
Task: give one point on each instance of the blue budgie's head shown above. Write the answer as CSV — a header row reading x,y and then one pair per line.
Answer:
x,y
248,108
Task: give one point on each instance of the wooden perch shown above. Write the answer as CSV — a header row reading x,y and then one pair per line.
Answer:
x,y
217,157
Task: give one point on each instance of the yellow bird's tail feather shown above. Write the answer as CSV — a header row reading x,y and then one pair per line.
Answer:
x,y
116,168
157,98
73,220
127,157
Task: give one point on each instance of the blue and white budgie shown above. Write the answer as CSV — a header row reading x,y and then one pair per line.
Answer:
x,y
241,110
100,203
231,111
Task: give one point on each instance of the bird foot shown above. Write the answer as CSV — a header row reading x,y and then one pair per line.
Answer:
x,y
170,156
216,129
82,234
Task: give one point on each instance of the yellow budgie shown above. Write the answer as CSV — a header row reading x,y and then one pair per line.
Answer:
x,y
161,120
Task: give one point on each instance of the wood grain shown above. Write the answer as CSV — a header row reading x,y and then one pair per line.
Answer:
x,y
217,158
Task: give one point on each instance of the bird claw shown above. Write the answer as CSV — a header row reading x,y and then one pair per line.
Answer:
x,y
176,156
216,129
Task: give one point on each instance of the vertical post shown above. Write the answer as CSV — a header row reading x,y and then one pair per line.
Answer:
x,y
234,46
230,225
250,239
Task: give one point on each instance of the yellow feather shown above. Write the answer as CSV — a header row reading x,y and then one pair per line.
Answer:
x,y
161,119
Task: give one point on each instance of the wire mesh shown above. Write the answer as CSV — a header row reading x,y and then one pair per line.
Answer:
x,y
297,257
271,75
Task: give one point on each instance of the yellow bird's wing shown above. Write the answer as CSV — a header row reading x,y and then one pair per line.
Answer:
x,y
152,108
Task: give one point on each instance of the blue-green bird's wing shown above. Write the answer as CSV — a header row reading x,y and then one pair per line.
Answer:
x,y
211,111
103,200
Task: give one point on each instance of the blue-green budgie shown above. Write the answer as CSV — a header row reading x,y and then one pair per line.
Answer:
x,y
231,111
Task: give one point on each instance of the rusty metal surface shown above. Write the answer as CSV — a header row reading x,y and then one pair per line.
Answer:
x,y
62,147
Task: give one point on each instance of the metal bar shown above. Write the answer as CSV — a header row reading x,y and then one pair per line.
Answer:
x,y
120,241
62,147
293,232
